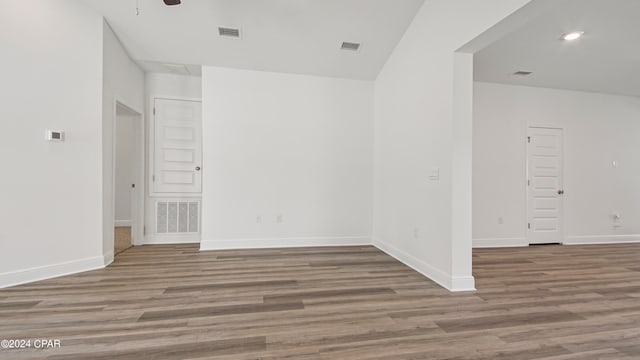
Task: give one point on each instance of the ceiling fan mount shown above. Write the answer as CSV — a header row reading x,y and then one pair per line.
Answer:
x,y
171,2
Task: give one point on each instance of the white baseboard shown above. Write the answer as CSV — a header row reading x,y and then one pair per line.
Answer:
x,y
122,223
602,239
500,242
51,271
462,283
451,283
268,243
171,239
107,258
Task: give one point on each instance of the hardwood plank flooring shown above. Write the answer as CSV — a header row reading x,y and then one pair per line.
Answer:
x,y
175,302
121,239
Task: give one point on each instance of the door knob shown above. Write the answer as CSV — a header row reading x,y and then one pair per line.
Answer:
x,y
197,168
560,192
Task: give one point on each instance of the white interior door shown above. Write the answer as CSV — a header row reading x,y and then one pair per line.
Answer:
x,y
177,146
545,215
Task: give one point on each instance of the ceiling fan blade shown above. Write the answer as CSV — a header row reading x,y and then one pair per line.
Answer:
x,y
172,2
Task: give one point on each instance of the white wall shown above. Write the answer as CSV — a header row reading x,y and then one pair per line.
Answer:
x,y
598,129
123,81
414,134
50,202
126,141
289,146
165,86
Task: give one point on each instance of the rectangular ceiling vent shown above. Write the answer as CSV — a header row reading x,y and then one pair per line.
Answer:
x,y
229,32
522,73
350,46
177,69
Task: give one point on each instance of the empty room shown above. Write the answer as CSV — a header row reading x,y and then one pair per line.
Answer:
x,y
320,179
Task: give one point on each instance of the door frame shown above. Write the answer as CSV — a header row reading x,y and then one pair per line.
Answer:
x,y
563,235
137,203
151,145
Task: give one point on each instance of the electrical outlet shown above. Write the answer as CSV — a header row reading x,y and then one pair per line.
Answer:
x,y
416,233
279,219
616,218
616,221
258,219
500,220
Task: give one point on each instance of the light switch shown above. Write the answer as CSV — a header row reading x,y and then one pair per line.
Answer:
x,y
435,174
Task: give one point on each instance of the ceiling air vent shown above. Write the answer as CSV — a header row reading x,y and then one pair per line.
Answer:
x,y
350,46
229,32
522,73
177,69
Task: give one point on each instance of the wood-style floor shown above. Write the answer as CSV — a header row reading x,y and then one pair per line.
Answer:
x,y
121,239
174,302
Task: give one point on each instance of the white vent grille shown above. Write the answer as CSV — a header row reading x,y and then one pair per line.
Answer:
x,y
177,69
229,32
177,217
350,46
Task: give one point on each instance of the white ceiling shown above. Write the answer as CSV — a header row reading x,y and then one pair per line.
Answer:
x,y
293,36
606,59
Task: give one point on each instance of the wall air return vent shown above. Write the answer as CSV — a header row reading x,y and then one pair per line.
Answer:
x,y
229,32
177,217
522,73
350,46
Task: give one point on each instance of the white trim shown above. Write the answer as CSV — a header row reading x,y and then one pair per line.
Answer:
x,y
108,258
267,243
51,271
122,223
547,126
190,196
602,239
449,282
137,196
171,97
462,283
156,239
500,242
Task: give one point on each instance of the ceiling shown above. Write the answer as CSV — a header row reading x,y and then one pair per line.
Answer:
x,y
606,59
292,36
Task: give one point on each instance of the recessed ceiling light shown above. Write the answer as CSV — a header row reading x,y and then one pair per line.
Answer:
x,y
572,35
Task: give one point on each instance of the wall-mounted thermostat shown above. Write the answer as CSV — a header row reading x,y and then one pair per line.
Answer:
x,y
55,135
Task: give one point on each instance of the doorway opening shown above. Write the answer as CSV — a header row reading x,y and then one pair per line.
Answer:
x,y
128,172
